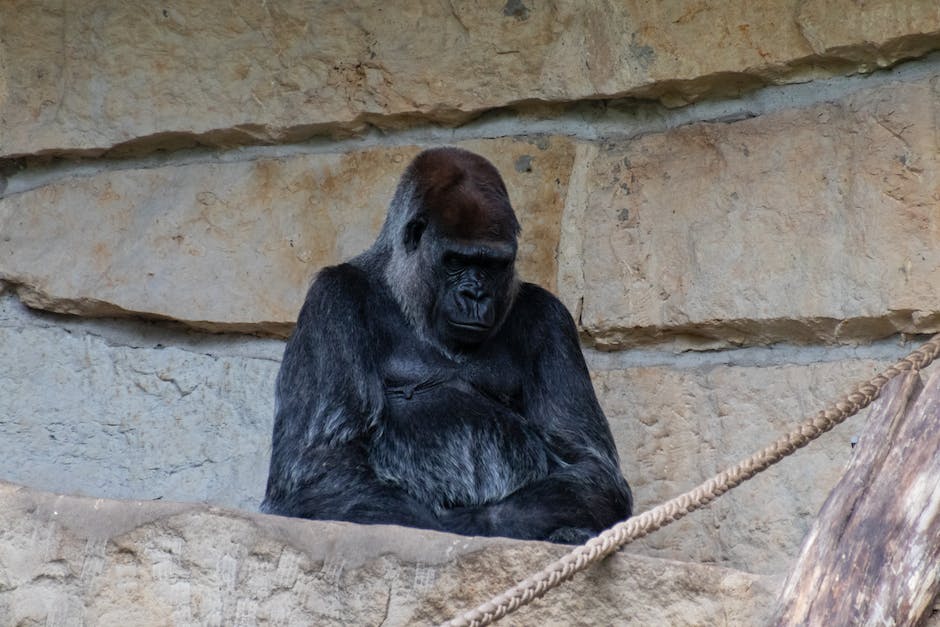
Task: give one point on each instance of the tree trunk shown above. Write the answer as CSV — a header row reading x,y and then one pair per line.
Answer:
x,y
872,556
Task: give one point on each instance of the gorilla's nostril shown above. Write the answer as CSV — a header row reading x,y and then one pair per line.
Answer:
x,y
472,293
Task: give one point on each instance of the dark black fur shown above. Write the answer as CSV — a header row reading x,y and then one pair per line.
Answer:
x,y
424,386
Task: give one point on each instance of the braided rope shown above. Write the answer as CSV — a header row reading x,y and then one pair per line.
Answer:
x,y
634,528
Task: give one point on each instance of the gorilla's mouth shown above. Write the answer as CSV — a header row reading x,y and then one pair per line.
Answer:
x,y
473,326
468,331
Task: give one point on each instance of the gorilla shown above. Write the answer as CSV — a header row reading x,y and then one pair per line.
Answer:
x,y
425,385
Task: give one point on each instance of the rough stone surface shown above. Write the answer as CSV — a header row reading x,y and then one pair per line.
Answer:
x,y
677,427
80,561
815,224
83,78
698,235
233,246
696,227
131,416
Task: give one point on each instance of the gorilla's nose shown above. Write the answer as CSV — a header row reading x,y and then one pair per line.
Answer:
x,y
472,292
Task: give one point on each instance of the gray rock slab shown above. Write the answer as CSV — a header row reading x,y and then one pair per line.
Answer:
x,y
131,410
677,427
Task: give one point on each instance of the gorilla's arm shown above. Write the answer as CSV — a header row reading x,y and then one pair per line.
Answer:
x,y
329,395
585,492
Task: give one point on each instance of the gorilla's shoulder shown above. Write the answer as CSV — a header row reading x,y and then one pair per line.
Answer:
x,y
344,278
536,305
341,287
532,295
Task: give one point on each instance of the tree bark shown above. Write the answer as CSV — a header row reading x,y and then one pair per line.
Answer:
x,y
872,556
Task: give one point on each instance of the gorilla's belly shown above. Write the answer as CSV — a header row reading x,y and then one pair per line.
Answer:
x,y
449,445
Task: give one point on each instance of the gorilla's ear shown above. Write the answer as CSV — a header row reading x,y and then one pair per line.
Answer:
x,y
413,232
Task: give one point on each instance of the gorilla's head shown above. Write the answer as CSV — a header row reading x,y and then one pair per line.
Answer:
x,y
451,240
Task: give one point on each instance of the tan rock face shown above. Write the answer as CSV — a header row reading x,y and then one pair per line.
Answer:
x,y
77,561
235,245
677,427
815,224
804,225
839,25
84,78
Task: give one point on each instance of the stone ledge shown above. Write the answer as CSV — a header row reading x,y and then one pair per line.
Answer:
x,y
136,77
74,561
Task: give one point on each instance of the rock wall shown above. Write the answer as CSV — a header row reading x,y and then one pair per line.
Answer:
x,y
737,200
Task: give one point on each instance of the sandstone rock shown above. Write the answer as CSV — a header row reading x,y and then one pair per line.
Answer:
x,y
83,78
234,246
82,561
675,427
809,225
839,26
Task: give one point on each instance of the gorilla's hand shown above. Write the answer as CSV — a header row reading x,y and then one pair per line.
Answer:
x,y
466,520
485,520
570,535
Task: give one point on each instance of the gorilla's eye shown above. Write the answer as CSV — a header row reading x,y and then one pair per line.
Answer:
x,y
413,232
501,265
453,261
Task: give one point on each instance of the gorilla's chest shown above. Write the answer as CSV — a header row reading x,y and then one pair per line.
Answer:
x,y
414,375
455,433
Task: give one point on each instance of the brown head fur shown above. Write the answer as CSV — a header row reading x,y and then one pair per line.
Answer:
x,y
464,195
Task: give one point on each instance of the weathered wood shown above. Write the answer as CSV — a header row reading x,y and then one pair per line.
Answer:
x,y
872,556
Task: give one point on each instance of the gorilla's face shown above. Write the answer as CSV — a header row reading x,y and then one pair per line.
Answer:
x,y
474,289
452,271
